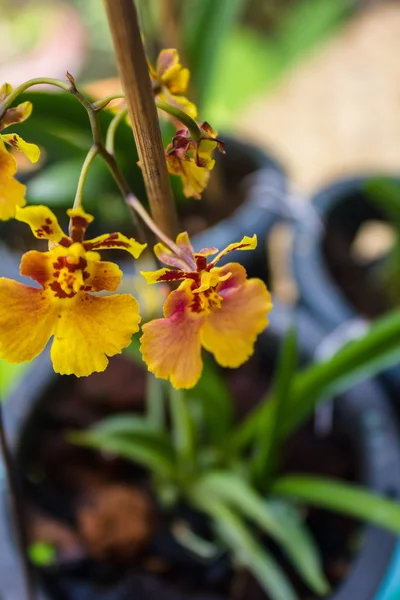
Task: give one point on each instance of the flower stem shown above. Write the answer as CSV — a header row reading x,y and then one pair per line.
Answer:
x,y
17,513
190,123
91,155
135,78
133,202
28,84
102,103
112,129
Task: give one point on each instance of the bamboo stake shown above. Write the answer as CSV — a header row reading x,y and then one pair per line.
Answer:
x,y
133,69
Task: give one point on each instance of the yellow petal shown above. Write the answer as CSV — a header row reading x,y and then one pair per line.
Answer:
x,y
80,221
246,243
171,346
231,331
12,195
37,265
194,178
17,114
8,165
167,63
180,102
103,276
179,82
27,318
5,90
117,241
43,223
211,279
91,328
31,151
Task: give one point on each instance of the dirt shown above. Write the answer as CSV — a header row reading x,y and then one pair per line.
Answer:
x,y
98,510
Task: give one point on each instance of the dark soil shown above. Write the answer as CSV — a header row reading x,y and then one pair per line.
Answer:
x,y
112,540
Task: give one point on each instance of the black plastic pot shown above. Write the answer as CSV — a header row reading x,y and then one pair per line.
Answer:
x,y
365,412
344,205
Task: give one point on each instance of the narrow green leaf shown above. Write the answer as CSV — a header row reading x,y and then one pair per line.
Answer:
x,y
183,434
365,357
213,398
266,446
249,553
230,489
341,497
155,402
148,449
218,20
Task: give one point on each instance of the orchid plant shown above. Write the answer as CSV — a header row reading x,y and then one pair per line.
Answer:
x,y
226,470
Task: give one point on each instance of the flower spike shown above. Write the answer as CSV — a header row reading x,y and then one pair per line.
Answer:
x,y
170,81
193,159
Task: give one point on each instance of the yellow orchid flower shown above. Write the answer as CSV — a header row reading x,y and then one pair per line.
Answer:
x,y
170,81
217,308
12,192
86,328
192,159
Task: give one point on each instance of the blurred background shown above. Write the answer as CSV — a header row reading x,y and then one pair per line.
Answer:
x,y
314,81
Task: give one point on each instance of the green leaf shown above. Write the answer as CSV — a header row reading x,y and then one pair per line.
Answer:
x,y
266,446
385,194
56,184
213,399
377,350
249,553
308,23
155,402
183,433
136,442
341,497
284,528
208,26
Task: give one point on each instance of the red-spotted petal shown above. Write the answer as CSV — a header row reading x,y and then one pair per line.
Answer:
x,y
43,223
115,241
246,243
171,346
165,275
38,266
31,151
80,221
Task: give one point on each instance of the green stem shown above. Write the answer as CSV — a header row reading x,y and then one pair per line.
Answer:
x,y
190,123
91,155
102,103
31,83
112,129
